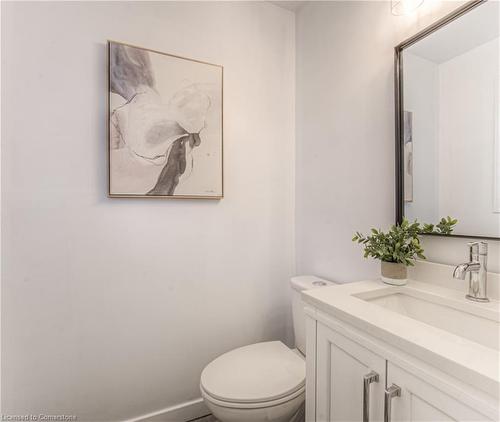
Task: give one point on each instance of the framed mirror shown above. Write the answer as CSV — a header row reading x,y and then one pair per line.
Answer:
x,y
447,122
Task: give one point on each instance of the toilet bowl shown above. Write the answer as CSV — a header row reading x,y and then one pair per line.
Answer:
x,y
262,382
259,382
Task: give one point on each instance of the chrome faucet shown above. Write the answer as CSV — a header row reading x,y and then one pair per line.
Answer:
x,y
477,269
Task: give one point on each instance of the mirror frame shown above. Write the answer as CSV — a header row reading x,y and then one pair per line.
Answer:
x,y
398,100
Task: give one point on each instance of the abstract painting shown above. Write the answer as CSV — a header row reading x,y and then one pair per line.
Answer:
x,y
165,125
408,156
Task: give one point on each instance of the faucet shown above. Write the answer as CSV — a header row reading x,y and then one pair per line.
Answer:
x,y
477,269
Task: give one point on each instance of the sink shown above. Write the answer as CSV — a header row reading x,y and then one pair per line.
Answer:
x,y
469,321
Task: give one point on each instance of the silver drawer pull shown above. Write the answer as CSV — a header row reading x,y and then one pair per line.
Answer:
x,y
390,393
367,380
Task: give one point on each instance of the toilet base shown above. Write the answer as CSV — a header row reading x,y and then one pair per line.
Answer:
x,y
300,416
290,411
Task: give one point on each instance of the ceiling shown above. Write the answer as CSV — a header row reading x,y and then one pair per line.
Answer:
x,y
289,5
477,27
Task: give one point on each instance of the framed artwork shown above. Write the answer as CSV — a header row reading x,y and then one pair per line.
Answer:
x,y
165,125
408,155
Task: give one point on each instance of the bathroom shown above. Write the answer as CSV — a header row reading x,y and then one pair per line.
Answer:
x,y
114,304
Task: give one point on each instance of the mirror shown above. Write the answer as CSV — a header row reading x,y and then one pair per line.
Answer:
x,y
447,122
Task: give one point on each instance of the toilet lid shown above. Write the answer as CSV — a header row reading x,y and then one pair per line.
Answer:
x,y
256,373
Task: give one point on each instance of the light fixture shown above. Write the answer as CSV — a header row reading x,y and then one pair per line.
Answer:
x,y
404,7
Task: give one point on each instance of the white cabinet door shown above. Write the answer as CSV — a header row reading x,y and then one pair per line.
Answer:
x,y
420,401
341,367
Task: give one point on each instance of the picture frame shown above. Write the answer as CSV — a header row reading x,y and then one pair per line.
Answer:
x,y
165,125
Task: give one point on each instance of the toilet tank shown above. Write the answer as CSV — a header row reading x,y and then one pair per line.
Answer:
x,y
300,283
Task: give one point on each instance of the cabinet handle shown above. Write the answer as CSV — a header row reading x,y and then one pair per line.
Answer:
x,y
392,391
367,380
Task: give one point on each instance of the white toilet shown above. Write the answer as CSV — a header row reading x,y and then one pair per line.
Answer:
x,y
262,381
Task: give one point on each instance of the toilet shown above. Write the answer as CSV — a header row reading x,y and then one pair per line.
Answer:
x,y
262,381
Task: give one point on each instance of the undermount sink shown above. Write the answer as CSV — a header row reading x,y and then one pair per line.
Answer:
x,y
466,320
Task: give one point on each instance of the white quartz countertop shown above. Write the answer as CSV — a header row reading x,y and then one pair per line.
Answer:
x,y
464,359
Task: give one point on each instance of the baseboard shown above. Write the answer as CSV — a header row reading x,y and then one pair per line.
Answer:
x,y
179,413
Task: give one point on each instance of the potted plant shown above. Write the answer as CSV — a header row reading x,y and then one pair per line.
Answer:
x,y
400,246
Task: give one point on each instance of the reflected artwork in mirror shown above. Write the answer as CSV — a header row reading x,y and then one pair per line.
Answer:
x,y
447,122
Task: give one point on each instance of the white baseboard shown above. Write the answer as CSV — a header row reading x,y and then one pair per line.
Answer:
x,y
179,413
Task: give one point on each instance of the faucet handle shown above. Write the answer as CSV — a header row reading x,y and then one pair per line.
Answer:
x,y
473,251
476,249
483,248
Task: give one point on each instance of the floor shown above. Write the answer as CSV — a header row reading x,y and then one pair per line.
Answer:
x,y
208,418
299,417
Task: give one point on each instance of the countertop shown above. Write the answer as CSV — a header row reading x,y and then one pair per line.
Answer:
x,y
466,360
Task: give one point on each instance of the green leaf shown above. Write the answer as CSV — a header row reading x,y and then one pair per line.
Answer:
x,y
401,242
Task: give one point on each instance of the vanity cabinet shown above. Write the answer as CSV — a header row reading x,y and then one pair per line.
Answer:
x,y
350,375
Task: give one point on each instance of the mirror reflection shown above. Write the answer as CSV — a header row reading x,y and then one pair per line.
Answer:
x,y
451,124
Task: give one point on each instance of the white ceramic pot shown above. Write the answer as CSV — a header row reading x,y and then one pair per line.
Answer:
x,y
394,273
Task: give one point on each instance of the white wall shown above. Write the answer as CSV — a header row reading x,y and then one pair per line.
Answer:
x,y
466,146
345,133
344,173
111,307
421,97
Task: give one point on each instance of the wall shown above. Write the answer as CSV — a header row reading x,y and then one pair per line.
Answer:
x,y
345,133
112,307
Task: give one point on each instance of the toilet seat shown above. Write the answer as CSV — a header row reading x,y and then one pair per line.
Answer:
x,y
255,376
255,405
